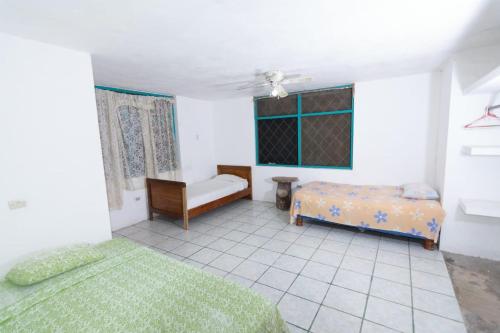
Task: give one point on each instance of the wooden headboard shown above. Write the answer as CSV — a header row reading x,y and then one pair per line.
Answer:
x,y
237,170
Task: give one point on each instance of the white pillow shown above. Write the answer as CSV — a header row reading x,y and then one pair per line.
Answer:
x,y
419,191
230,178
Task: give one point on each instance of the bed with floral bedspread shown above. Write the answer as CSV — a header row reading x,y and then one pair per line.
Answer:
x,y
135,289
368,207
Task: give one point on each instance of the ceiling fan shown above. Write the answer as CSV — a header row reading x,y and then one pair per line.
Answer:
x,y
276,79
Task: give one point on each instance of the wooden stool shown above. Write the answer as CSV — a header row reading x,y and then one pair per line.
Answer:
x,y
284,191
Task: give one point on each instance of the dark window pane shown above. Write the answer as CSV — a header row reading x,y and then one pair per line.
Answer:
x,y
326,140
278,141
277,107
327,100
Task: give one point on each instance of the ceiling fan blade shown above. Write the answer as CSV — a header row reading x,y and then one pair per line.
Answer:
x,y
296,80
292,76
254,85
283,94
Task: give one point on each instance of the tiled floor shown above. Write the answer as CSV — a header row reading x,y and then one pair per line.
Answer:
x,y
324,278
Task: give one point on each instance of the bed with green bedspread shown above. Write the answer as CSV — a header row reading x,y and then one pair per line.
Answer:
x,y
135,289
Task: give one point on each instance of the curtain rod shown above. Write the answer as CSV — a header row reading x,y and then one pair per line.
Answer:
x,y
132,92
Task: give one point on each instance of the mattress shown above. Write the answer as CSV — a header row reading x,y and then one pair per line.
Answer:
x,y
369,207
135,289
209,190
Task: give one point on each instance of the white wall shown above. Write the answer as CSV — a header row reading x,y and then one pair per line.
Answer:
x,y
467,177
50,150
196,145
394,136
196,138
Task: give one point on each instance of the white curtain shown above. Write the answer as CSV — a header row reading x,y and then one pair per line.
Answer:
x,y
137,139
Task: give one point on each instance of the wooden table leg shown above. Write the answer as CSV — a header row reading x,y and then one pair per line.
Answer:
x,y
298,221
428,244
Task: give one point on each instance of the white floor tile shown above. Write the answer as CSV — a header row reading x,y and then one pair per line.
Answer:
x,y
357,265
250,269
369,327
393,258
277,278
426,322
362,252
242,250
289,263
308,241
240,280
205,255
215,271
226,262
346,300
395,246
389,314
319,271
312,290
301,251
188,235
235,235
391,291
274,295
334,246
429,266
218,231
186,249
248,228
193,263
255,240
221,244
442,305
286,236
392,273
352,280
327,258
297,311
295,329
204,240
169,244
276,245
417,250
333,321
436,283
264,256
266,232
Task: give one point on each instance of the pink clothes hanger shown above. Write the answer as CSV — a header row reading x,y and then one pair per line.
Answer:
x,y
488,119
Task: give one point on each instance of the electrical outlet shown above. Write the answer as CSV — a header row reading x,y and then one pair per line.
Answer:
x,y
17,204
137,198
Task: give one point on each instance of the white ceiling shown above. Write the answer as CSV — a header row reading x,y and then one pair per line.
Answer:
x,y
203,48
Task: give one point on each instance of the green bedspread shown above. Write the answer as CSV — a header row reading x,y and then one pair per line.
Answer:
x,y
135,289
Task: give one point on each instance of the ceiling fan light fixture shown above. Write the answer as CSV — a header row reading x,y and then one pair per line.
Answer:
x,y
278,91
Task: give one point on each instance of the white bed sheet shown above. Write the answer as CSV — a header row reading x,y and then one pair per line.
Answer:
x,y
209,190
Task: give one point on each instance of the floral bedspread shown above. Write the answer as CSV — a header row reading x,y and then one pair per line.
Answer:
x,y
371,207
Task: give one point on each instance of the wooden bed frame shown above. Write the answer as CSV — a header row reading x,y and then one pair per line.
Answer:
x,y
428,244
168,197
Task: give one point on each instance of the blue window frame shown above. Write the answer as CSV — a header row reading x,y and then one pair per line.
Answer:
x,y
303,132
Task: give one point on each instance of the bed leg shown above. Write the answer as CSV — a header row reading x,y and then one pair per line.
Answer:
x,y
298,221
428,244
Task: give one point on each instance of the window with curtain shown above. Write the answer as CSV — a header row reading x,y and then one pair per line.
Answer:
x,y
137,139
307,129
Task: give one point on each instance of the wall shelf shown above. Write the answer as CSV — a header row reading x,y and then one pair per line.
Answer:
x,y
482,150
480,207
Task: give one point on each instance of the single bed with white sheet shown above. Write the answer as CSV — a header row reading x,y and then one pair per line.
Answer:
x,y
178,200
